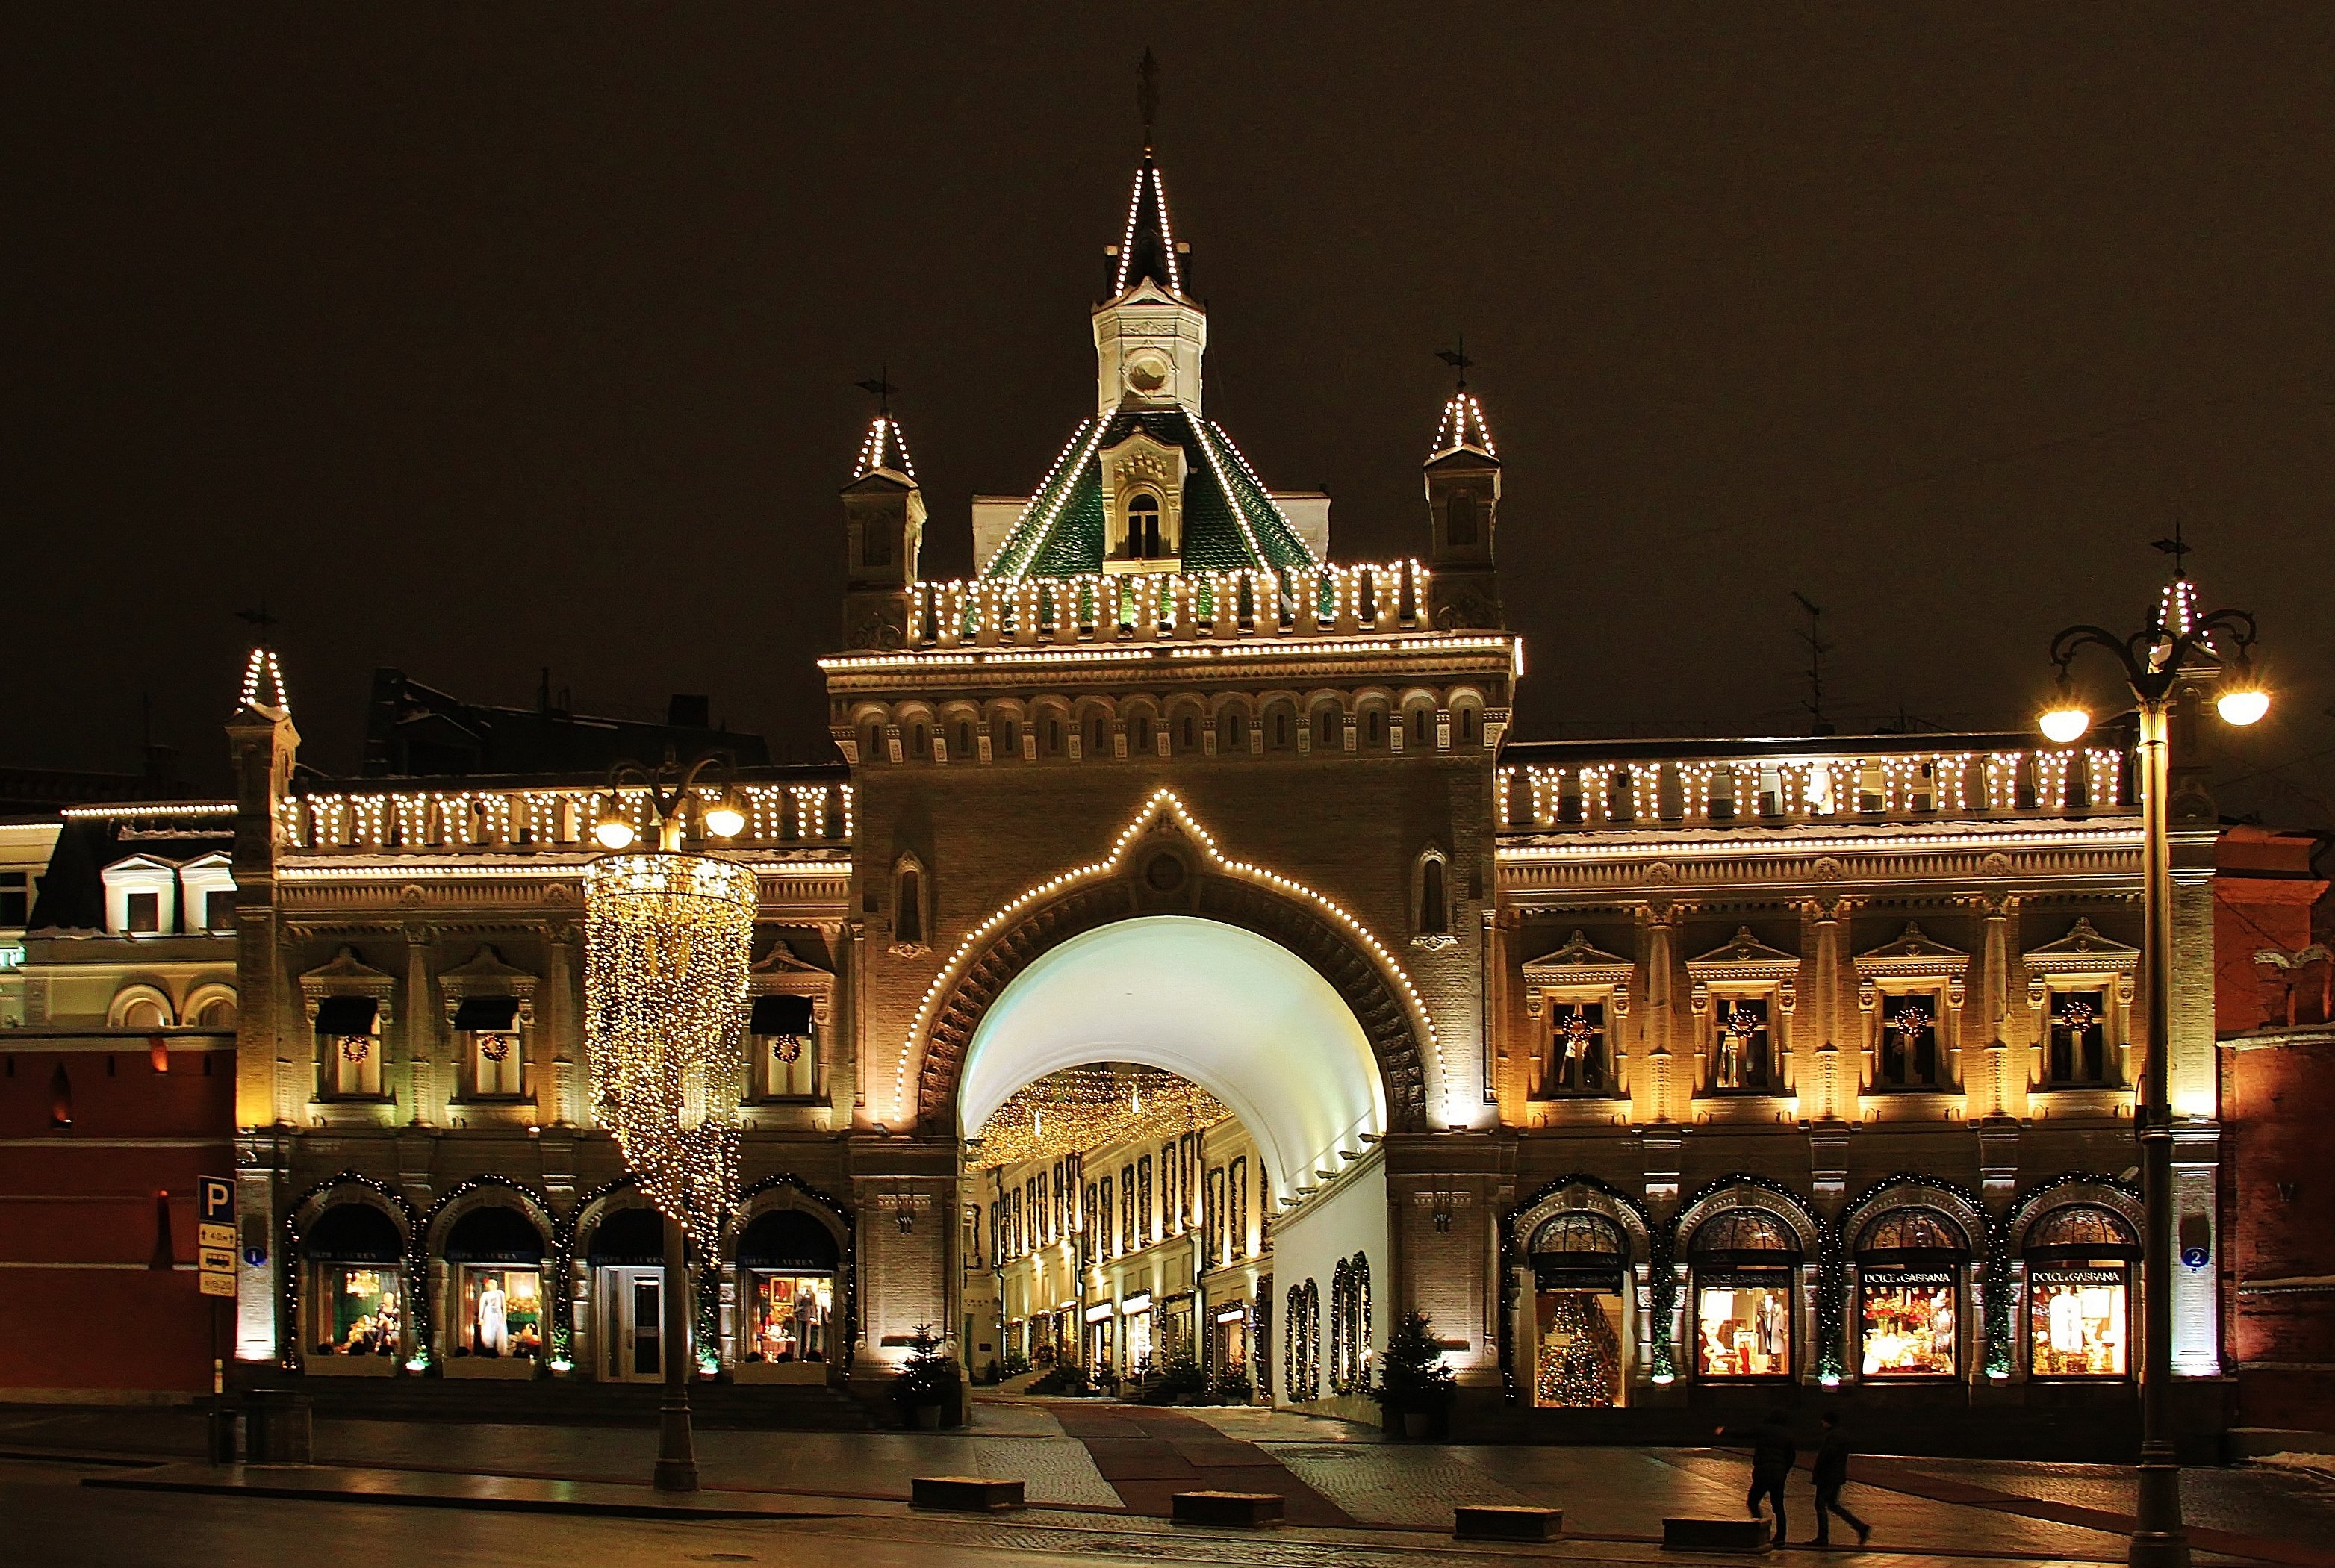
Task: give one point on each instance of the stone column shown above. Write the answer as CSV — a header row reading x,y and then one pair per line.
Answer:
x,y
1993,1100
420,1012
1654,919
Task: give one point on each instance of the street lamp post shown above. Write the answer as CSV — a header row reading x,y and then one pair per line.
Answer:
x,y
668,935
2175,652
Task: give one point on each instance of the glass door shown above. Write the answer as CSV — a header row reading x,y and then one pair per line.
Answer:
x,y
632,1315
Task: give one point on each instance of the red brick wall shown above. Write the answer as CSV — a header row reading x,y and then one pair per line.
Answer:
x,y
93,1314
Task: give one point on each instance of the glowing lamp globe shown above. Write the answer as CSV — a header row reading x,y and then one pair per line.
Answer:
x,y
2065,724
726,818
614,832
2244,704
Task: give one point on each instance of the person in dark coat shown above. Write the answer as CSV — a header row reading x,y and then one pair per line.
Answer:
x,y
1773,1453
1831,1475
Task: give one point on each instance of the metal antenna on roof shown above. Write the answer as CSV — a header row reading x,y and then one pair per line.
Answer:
x,y
1457,358
1147,95
1818,648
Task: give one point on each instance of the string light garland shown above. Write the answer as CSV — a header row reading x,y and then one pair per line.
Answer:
x,y
1081,1108
667,940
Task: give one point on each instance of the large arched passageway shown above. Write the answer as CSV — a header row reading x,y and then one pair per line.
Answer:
x,y
1236,1014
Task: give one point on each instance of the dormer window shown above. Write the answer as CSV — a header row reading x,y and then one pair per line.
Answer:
x,y
1143,534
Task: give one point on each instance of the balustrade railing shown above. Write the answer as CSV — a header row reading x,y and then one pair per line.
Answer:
x,y
1156,607
785,813
1846,786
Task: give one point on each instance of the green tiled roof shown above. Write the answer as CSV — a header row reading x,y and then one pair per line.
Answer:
x,y
1228,519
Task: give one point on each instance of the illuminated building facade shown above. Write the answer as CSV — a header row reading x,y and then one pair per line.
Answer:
x,y
1661,1075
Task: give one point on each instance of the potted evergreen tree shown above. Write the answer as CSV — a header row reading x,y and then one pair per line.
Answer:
x,y
1418,1388
928,1383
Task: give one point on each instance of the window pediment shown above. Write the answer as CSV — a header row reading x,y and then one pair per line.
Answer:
x,y
1578,966
487,975
2083,951
1744,957
347,975
781,974
1913,954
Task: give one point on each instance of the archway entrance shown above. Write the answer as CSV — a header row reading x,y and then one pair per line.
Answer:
x,y
1211,1182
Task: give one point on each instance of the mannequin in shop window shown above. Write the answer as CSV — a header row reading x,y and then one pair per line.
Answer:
x,y
494,1323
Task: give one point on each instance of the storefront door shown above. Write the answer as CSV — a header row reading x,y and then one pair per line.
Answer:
x,y
632,1316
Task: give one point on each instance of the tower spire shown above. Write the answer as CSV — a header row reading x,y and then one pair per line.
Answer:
x,y
1462,424
884,447
263,672
1147,249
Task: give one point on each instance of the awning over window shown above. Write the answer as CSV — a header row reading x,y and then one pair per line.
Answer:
x,y
494,1234
353,1233
788,1239
490,1013
346,1015
782,1015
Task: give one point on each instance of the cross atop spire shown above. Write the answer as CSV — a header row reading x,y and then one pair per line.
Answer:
x,y
1146,96
2176,606
884,446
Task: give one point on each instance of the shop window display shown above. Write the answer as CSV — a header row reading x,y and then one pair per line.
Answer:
x,y
356,1285
787,1263
1909,1286
502,1312
1579,1322
2078,1294
1744,1261
791,1316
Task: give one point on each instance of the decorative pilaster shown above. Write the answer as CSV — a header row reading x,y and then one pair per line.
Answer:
x,y
562,1033
1995,1008
1655,930
421,1032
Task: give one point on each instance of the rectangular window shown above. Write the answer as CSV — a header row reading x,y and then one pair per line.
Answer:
x,y
141,911
2079,1038
2076,1321
219,909
1908,1328
502,1312
1573,1057
16,897
1106,1244
1742,1061
359,1310
789,1316
1911,1054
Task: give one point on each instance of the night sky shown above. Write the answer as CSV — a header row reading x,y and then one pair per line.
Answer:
x,y
476,342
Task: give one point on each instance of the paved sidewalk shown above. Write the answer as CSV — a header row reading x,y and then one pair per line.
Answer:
x,y
1093,1467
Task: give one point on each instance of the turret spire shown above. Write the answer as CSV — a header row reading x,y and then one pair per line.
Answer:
x,y
1147,249
884,447
263,674
1462,424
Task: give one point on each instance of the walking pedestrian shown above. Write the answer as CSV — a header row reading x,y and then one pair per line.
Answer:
x,y
1773,1453
1831,1475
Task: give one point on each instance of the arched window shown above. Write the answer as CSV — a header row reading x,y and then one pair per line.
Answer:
x,y
1373,728
908,905
1744,1263
1459,519
1909,1294
1328,724
1422,728
2078,1294
1434,897
1098,736
1054,734
1284,730
964,738
871,741
1188,734
1467,726
1138,734
218,1013
1143,528
143,1013
1004,737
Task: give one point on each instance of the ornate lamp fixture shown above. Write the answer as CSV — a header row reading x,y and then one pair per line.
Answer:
x,y
2176,649
667,939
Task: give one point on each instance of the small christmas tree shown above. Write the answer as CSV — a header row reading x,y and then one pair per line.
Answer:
x,y
1417,1381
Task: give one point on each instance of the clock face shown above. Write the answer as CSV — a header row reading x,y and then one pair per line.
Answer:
x,y
1147,372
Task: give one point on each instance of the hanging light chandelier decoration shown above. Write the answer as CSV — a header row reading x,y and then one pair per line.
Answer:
x,y
668,938
1084,1108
